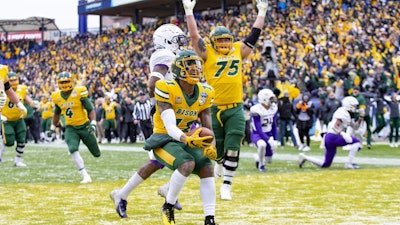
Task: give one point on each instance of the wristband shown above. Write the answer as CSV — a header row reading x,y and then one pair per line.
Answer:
x,y
52,127
189,12
93,122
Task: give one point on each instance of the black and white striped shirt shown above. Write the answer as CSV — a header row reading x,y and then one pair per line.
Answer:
x,y
142,110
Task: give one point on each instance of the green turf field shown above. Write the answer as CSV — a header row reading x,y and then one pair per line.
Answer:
x,y
48,190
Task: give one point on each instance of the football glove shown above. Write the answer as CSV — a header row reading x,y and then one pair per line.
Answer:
x,y
361,113
346,137
188,5
3,98
36,104
195,141
3,118
262,6
273,143
22,108
210,152
52,132
92,127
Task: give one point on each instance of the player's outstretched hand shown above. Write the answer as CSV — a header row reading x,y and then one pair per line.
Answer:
x,y
195,141
188,5
262,6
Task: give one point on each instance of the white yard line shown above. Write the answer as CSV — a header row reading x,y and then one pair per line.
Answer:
x,y
277,155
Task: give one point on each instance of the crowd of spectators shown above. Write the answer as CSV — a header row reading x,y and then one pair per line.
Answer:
x,y
321,46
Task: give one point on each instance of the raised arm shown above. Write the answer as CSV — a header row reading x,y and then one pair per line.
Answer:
x,y
198,43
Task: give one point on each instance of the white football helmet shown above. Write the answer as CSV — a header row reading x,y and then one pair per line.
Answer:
x,y
266,96
169,36
350,104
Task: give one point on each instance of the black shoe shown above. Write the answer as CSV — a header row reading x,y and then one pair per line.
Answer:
x,y
167,211
209,220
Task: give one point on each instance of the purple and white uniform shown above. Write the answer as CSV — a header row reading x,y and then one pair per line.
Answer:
x,y
334,138
263,125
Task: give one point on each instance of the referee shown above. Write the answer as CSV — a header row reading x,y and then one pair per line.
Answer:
x,y
141,114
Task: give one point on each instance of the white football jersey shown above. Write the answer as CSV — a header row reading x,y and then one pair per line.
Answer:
x,y
266,116
162,57
342,114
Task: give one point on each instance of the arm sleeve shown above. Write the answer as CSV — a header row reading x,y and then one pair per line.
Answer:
x,y
169,119
257,124
274,129
251,40
87,104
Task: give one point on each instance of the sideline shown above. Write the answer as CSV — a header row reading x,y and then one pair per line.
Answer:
x,y
277,156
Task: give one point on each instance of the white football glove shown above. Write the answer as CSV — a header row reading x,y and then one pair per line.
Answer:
x,y
22,108
361,112
36,104
3,118
262,6
273,143
3,98
188,5
347,137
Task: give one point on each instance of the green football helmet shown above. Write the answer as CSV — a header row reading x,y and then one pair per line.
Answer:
x,y
65,81
188,66
13,80
221,39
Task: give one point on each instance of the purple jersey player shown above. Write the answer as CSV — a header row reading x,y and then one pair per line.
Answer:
x,y
264,127
338,137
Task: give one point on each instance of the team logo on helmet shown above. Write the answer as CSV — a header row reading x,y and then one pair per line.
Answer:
x,y
188,66
65,81
13,80
221,39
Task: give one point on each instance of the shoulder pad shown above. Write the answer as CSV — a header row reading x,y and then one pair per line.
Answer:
x,y
161,57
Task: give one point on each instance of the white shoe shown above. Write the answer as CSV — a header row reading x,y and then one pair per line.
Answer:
x,y
301,147
115,197
86,179
391,144
351,166
302,160
163,190
226,192
218,170
396,145
306,149
19,164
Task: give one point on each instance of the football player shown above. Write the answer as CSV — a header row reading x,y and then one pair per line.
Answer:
x,y
73,104
168,41
46,107
337,136
14,127
111,112
223,60
264,127
180,102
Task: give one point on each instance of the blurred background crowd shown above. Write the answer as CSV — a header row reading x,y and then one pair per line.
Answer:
x,y
315,48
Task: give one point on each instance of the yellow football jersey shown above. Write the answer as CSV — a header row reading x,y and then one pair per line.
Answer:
x,y
3,72
47,109
109,110
72,108
10,110
224,74
186,108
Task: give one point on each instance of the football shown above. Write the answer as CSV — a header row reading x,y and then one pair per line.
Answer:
x,y
204,132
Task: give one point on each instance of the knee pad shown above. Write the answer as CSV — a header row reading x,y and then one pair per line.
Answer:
x,y
231,161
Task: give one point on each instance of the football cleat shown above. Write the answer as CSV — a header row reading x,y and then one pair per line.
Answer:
x,y
226,192
162,191
306,149
119,203
218,170
302,160
86,179
351,166
19,164
262,169
209,220
167,211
